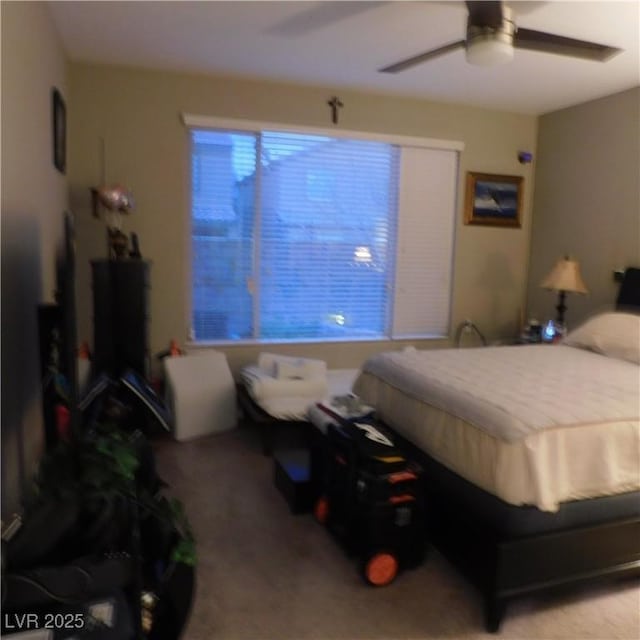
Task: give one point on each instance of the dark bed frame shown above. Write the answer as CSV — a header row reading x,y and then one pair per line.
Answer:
x,y
505,566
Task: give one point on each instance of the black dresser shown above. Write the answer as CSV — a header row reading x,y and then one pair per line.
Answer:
x,y
120,316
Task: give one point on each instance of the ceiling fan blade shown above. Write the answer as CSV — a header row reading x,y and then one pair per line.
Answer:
x,y
485,14
561,45
422,57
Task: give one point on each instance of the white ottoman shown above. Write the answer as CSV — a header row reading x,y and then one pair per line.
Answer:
x,y
201,394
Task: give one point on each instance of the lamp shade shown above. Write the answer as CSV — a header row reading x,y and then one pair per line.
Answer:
x,y
565,276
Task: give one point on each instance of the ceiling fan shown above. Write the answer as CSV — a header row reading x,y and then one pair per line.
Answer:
x,y
492,36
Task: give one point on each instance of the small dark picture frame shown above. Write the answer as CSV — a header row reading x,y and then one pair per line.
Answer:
x,y
59,127
493,200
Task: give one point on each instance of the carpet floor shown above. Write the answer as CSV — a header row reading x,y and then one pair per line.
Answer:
x,y
265,574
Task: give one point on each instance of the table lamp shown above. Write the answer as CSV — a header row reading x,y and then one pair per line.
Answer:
x,y
564,277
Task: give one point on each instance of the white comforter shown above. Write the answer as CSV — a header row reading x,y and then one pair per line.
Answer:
x,y
535,424
511,392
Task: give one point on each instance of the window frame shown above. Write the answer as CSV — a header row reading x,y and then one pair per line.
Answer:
x,y
194,121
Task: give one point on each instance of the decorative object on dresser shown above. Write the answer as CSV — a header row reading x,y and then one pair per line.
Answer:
x,y
117,201
120,316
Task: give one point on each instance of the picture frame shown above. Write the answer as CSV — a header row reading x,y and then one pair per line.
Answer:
x,y
493,200
59,128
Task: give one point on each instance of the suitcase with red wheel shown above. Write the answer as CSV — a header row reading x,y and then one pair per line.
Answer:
x,y
372,500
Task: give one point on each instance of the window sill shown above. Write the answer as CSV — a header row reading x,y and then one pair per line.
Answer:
x,y
208,344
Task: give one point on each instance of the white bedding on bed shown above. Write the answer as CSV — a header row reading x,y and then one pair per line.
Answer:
x,y
535,424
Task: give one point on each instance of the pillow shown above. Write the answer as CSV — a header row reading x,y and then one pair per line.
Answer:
x,y
616,335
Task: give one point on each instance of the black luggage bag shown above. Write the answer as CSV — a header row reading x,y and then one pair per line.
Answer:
x,y
372,500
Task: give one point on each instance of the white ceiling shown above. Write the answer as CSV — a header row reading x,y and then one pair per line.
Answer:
x,y
342,44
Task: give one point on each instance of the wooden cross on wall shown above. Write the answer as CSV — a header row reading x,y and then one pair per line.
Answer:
x,y
335,104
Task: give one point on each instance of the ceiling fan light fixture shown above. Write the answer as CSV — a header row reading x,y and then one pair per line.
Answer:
x,y
489,52
490,45
492,38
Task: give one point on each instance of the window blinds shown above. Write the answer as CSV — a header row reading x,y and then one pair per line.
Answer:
x,y
299,237
425,243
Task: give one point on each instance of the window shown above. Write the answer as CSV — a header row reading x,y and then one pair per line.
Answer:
x,y
299,236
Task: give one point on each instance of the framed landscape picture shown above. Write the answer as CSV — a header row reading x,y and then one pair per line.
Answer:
x,y
493,200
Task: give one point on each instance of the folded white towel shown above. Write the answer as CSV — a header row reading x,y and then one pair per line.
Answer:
x,y
291,399
263,386
288,368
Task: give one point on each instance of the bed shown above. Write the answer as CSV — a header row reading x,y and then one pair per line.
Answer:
x,y
531,452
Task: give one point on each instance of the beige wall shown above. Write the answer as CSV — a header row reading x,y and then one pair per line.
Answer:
x,y
135,114
587,200
34,196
